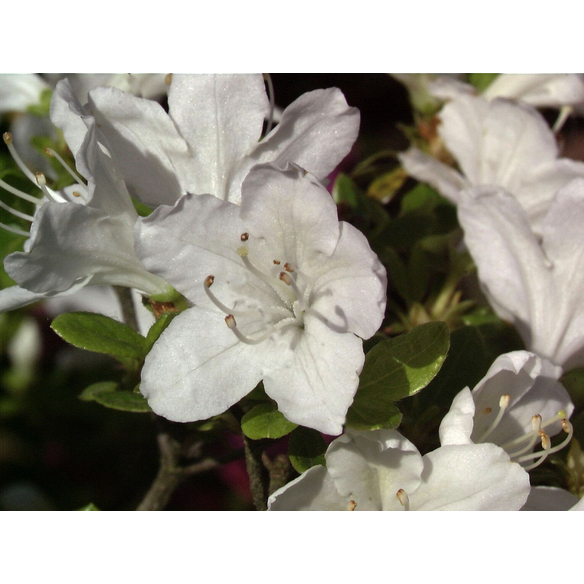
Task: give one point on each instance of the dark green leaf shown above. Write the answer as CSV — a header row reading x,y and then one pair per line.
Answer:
x,y
107,394
573,381
157,329
394,369
100,334
345,191
90,392
265,421
306,449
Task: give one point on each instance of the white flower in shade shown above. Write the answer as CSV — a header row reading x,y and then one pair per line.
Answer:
x,y
552,499
517,405
538,90
281,291
534,280
497,143
210,138
81,235
383,471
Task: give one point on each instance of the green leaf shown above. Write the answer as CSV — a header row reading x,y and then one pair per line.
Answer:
x,y
394,369
42,108
100,334
306,449
482,80
157,329
573,381
265,421
345,191
89,507
107,394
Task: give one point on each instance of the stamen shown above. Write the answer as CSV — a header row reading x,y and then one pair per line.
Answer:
x,y
288,267
403,499
287,279
535,428
168,79
52,153
76,194
351,506
16,213
7,136
20,194
232,324
14,230
42,183
503,405
567,427
244,236
564,114
277,262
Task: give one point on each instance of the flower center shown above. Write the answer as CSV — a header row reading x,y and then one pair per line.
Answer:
x,y
69,194
520,449
288,310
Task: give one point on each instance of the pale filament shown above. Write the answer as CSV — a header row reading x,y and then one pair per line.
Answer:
x,y
503,405
52,153
403,498
547,450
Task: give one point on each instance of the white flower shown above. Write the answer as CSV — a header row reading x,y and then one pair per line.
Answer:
x,y
552,499
281,291
537,90
382,471
535,280
496,143
210,138
517,405
82,235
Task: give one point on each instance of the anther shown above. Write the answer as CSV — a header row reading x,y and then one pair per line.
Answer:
x,y
49,152
41,179
285,278
242,251
503,405
276,262
546,442
403,498
487,411
244,236
288,267
351,506
230,321
504,401
168,79
209,281
76,194
7,137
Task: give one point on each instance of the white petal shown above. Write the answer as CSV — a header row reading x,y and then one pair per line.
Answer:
x,y
350,292
443,178
532,384
19,91
371,467
447,88
470,477
545,90
317,387
221,118
313,490
198,368
316,132
152,157
511,265
550,499
15,297
73,243
457,425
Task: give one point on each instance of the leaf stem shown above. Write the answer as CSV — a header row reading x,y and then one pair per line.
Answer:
x,y
258,476
127,306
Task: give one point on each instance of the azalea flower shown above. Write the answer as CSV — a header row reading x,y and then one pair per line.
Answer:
x,y
517,405
81,235
281,292
212,135
496,143
534,280
383,471
538,90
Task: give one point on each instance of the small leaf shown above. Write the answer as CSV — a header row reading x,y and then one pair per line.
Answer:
x,y
482,80
89,507
100,334
345,191
306,449
265,421
157,329
394,369
106,393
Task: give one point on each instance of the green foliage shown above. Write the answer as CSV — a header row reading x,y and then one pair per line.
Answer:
x,y
43,107
157,329
107,394
100,334
265,421
395,369
482,80
306,449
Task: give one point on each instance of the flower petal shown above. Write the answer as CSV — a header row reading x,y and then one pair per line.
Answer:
x,y
550,499
316,387
15,297
457,425
221,118
19,91
148,151
198,368
470,477
313,490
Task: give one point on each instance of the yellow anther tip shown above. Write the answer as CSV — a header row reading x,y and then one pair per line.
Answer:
x,y
7,137
243,251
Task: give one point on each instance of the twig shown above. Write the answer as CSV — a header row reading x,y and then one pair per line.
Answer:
x,y
127,306
258,476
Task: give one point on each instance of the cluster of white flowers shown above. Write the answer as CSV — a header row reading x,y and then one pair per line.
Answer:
x,y
282,292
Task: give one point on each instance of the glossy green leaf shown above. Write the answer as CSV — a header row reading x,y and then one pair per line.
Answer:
x,y
265,421
394,369
107,394
100,334
306,449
